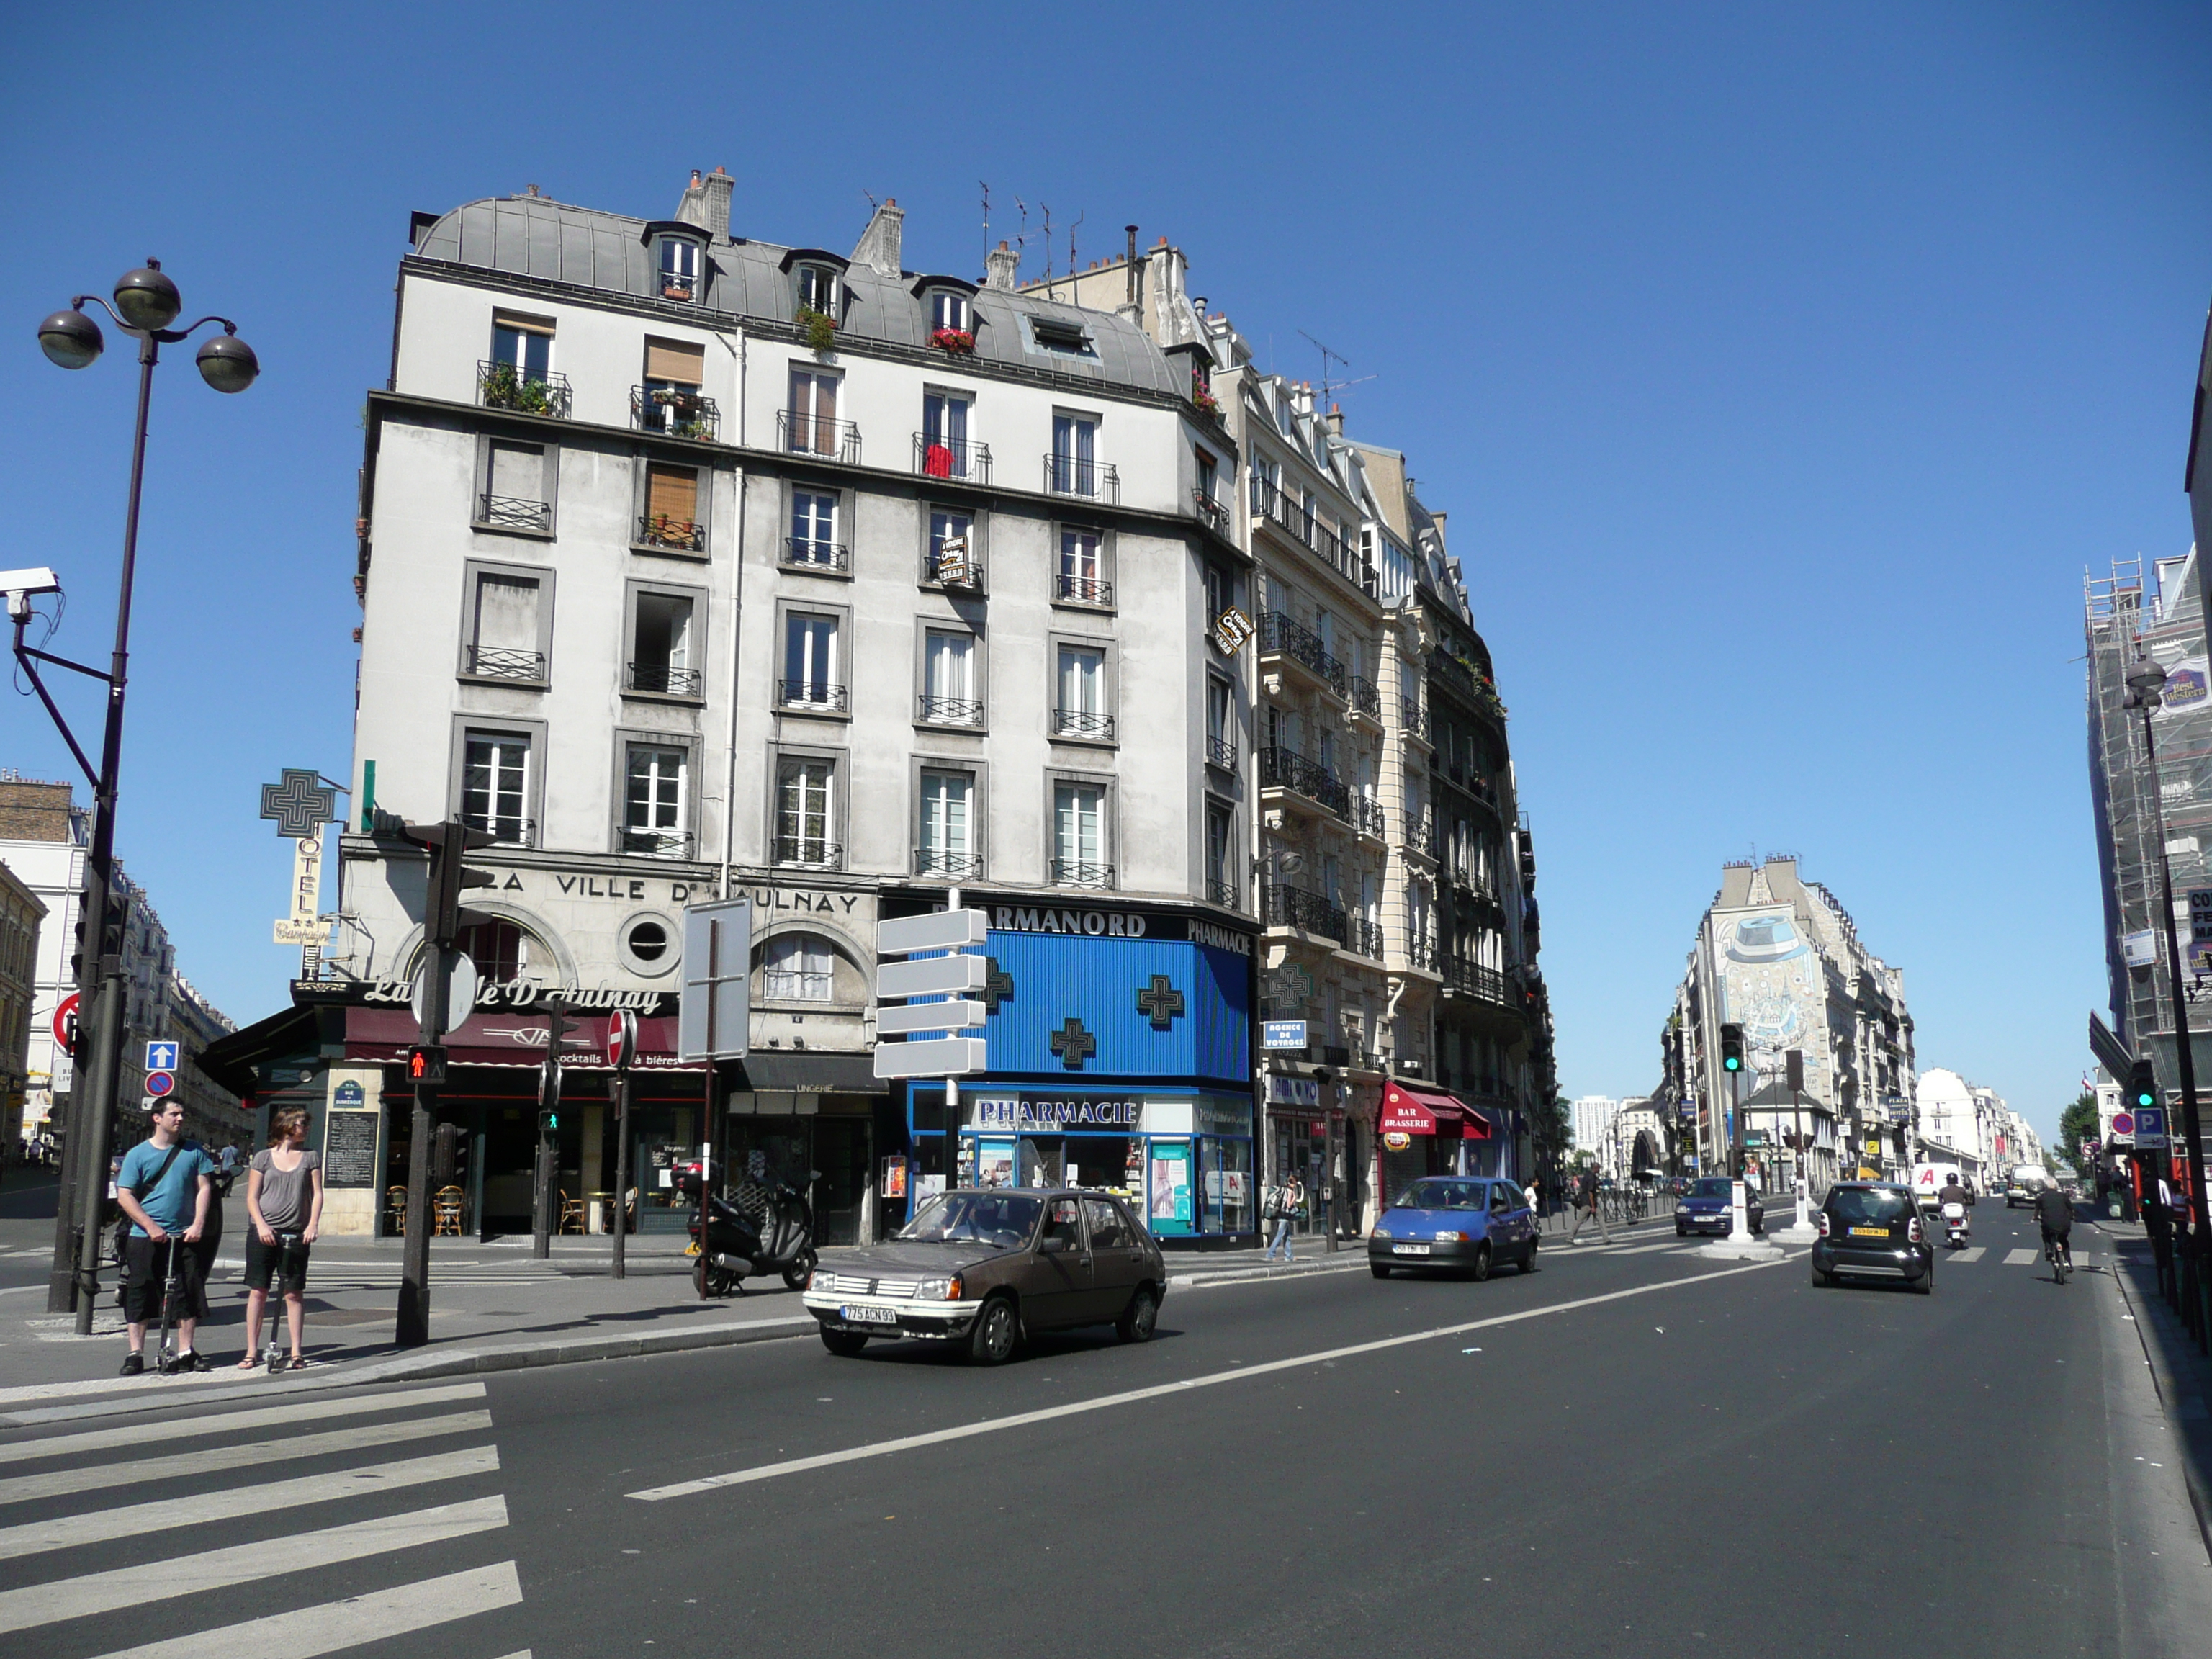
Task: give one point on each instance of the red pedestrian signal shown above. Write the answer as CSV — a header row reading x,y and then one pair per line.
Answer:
x,y
426,1064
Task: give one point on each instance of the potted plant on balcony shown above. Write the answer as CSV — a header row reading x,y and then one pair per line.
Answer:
x,y
1202,395
956,342
818,329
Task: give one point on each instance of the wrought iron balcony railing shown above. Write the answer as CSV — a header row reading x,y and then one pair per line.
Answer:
x,y
661,678
951,711
505,831
514,512
956,572
1421,951
1280,634
946,866
1420,833
804,554
1094,481
1221,752
678,412
1363,697
1286,768
1082,723
1369,816
1212,514
1224,894
817,694
961,458
1476,979
808,852
492,662
1271,506
679,535
656,843
505,386
1081,590
1413,719
1074,873
1363,937
1282,905
817,434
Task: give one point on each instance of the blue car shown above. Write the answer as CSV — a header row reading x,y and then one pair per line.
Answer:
x,y
1705,1209
1465,1224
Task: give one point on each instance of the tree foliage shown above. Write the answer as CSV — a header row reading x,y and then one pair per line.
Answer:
x,y
2076,1124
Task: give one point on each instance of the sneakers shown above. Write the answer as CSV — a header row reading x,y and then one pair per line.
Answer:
x,y
133,1365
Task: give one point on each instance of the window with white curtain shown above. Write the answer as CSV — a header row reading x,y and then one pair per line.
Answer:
x,y
946,833
656,782
809,661
1078,836
798,968
805,817
948,695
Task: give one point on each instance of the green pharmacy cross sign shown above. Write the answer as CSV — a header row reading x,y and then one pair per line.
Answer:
x,y
1161,1001
300,803
1073,1044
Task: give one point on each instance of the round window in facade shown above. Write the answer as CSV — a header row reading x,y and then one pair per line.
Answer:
x,y
648,944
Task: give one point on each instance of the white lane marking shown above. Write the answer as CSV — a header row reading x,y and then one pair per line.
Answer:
x,y
35,1537
1972,1253
168,1429
308,1631
21,1289
992,1425
35,1605
2021,1258
219,1459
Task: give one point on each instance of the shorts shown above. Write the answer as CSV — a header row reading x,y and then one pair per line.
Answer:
x,y
146,1271
265,1261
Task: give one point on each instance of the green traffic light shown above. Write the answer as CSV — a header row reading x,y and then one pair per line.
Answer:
x,y
1732,1064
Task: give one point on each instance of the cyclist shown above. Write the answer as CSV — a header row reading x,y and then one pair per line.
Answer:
x,y
2056,1217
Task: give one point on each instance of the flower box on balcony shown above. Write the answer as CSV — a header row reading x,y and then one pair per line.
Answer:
x,y
819,328
1202,395
957,341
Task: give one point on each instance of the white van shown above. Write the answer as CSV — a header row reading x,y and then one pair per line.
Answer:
x,y
2028,1181
1929,1181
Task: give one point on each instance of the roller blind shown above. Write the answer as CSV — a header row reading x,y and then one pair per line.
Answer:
x,y
670,360
673,492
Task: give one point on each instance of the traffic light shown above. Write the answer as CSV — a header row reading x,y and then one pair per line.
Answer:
x,y
107,942
426,1063
1731,1047
548,1122
2142,1085
448,844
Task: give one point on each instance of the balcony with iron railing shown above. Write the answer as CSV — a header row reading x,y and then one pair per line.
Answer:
x,y
675,411
1363,697
950,711
1272,506
1221,752
807,852
1090,481
1363,937
1369,816
505,386
655,843
662,679
1413,719
801,554
676,535
1067,589
1210,512
1462,680
1282,905
514,512
964,460
1224,894
1421,951
1076,872
811,696
1286,768
1083,725
956,572
1420,834
493,662
505,831
817,434
1283,635
936,864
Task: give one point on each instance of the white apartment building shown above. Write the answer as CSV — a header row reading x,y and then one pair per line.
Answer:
x,y
1974,1120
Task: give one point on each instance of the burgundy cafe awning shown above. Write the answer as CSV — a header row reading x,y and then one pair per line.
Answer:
x,y
513,1037
1410,1109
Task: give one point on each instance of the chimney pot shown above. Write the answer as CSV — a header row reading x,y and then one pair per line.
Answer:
x,y
695,175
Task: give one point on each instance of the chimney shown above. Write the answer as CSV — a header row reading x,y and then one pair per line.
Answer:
x,y
1439,518
1000,266
692,209
719,185
878,246
1336,419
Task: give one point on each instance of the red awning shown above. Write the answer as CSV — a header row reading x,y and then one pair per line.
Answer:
x,y
1409,1108
511,1036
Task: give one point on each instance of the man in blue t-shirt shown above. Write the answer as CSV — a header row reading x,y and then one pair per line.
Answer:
x,y
164,1188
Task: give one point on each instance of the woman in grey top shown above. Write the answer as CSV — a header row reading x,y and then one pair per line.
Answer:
x,y
284,1201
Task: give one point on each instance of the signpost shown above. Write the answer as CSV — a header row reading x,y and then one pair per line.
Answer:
x,y
160,1057
160,1083
622,1048
956,975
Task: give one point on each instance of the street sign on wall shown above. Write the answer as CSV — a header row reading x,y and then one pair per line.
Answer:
x,y
1283,1033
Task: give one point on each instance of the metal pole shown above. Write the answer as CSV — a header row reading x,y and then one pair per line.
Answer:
x,y
411,1328
2193,1265
620,1090
91,1117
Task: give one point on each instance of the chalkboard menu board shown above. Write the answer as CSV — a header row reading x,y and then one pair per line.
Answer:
x,y
349,1149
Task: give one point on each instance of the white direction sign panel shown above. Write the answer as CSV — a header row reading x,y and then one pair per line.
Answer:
x,y
940,930
939,1057
932,976
715,1018
929,1017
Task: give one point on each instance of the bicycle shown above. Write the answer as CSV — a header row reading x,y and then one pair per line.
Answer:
x,y
2058,1251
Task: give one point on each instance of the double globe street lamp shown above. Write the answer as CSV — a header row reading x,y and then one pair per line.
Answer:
x,y
146,303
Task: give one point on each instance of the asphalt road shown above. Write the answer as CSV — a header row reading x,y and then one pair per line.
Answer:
x,y
1639,1451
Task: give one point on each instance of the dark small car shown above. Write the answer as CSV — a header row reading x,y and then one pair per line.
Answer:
x,y
986,1267
1709,1207
1873,1230
1465,1224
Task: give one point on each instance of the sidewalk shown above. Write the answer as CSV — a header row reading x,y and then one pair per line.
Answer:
x,y
2182,1371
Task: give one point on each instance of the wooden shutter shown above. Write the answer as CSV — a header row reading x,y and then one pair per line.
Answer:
x,y
673,492
671,360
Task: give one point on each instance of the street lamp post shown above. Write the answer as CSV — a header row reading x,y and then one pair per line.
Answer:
x,y
2146,682
146,302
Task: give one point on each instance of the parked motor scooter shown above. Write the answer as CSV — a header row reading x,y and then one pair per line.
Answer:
x,y
736,1248
1955,1224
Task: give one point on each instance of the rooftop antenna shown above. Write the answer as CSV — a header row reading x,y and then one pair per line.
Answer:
x,y
1329,388
1045,209
985,185
1079,218
873,202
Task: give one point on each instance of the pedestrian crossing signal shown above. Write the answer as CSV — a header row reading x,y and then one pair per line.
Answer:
x,y
426,1064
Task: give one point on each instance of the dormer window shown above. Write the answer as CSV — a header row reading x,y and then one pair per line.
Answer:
x,y
679,269
1062,338
948,312
817,289
678,249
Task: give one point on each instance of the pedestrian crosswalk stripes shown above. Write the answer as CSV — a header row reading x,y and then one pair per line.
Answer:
x,y
336,1625
1971,1252
199,1509
319,1410
288,1529
2021,1258
217,1460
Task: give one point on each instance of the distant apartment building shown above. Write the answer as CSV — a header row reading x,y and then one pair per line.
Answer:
x,y
1780,956
22,913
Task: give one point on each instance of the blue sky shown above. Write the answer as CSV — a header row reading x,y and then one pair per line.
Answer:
x,y
1781,368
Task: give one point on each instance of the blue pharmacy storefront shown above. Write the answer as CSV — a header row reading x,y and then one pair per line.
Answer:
x,y
1120,1041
